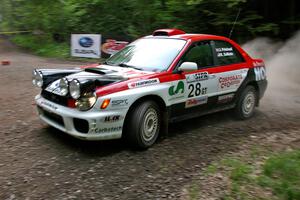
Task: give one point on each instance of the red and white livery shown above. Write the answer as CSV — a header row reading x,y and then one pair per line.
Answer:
x,y
161,78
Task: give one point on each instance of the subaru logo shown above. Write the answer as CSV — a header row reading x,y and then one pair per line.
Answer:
x,y
86,42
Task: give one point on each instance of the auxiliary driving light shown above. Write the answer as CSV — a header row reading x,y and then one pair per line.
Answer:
x,y
64,86
37,78
74,89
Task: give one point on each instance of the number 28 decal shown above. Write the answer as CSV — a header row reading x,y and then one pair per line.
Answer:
x,y
195,90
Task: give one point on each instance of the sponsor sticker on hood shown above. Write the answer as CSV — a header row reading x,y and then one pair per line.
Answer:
x,y
143,83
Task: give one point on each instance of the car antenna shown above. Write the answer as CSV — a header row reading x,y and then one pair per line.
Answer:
x,y
236,18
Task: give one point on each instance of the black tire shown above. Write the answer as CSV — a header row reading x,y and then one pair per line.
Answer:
x,y
143,125
246,103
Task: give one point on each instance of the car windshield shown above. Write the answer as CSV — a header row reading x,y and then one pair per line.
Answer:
x,y
148,54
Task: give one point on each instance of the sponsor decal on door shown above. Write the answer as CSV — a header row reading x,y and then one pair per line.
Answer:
x,y
196,101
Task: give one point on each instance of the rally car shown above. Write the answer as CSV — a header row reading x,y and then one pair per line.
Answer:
x,y
158,79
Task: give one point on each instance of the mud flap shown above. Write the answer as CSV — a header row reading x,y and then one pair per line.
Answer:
x,y
164,125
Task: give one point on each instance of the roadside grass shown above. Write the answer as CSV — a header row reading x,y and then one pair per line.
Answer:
x,y
239,171
42,45
193,191
239,174
281,172
45,46
277,177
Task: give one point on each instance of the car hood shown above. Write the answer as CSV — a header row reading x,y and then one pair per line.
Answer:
x,y
98,76
109,71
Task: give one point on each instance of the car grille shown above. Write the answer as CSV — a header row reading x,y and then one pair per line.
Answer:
x,y
52,116
55,98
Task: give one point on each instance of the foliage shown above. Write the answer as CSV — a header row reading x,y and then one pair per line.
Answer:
x,y
129,19
43,46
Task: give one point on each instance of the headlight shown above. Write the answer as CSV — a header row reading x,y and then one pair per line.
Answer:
x,y
37,78
74,89
64,86
86,102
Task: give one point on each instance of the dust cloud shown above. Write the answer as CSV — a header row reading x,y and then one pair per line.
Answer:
x,y
282,60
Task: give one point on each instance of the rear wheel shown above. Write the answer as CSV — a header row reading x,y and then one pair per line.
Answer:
x,y
246,103
144,124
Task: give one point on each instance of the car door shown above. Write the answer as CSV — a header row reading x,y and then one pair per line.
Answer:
x,y
221,71
230,71
198,85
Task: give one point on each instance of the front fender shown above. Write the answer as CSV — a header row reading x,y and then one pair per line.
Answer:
x,y
124,99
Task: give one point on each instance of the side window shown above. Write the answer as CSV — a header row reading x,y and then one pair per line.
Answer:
x,y
200,53
227,54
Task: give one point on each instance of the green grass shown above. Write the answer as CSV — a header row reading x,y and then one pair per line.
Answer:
x,y
42,45
282,173
239,171
193,191
211,169
239,174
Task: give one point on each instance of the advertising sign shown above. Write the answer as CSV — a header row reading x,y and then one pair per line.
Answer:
x,y
86,45
111,46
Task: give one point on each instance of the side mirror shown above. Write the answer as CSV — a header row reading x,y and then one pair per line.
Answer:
x,y
188,67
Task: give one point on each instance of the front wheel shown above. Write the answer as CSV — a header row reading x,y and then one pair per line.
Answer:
x,y
246,103
144,124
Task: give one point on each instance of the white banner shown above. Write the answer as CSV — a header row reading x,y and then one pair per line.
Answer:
x,y
86,45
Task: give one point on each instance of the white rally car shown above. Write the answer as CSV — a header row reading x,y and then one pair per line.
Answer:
x,y
161,78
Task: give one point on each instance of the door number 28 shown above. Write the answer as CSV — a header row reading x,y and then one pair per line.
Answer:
x,y
196,90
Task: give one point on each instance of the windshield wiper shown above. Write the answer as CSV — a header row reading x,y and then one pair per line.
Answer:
x,y
129,66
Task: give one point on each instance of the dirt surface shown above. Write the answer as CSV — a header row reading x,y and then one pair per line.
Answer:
x,y
38,162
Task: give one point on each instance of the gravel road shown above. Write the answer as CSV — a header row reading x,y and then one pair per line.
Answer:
x,y
39,162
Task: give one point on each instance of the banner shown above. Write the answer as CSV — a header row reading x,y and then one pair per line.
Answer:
x,y
86,45
111,46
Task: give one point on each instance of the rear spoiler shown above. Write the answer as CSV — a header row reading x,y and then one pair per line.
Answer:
x,y
258,63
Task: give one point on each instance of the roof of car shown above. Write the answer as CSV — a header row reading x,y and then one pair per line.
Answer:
x,y
192,37
199,36
173,33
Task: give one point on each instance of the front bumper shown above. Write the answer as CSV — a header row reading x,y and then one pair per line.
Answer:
x,y
88,125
